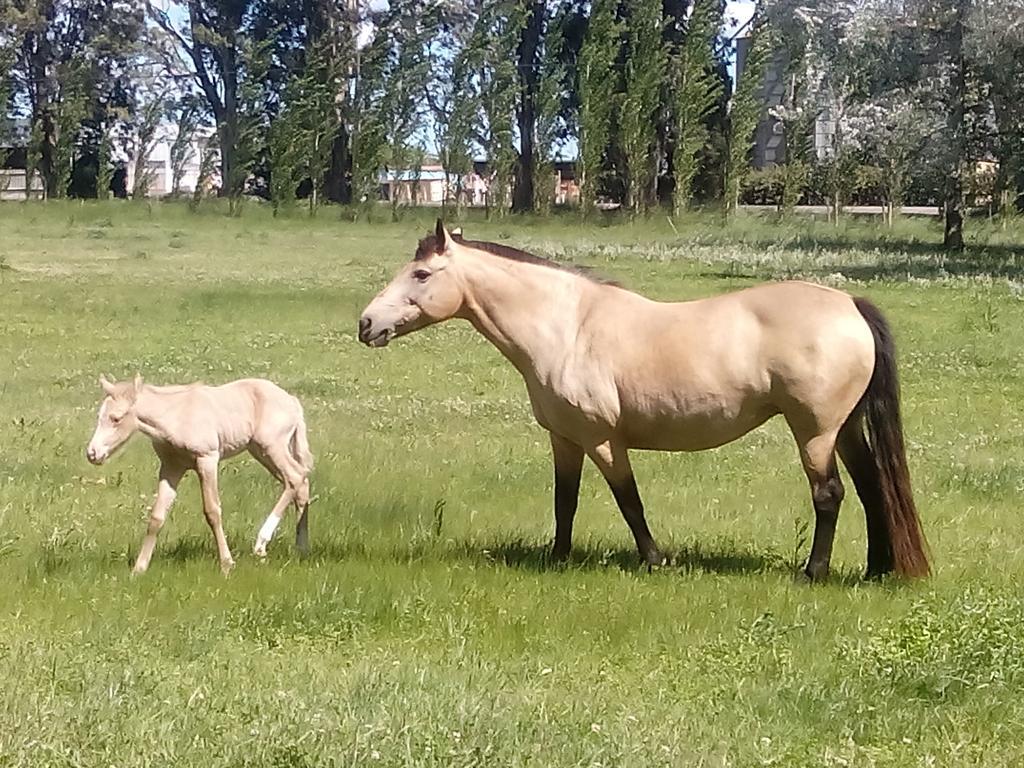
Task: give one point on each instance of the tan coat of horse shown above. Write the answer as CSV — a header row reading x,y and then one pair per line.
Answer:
x,y
195,427
608,370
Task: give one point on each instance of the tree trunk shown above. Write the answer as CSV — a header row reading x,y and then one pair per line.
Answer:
x,y
48,171
338,182
953,202
526,112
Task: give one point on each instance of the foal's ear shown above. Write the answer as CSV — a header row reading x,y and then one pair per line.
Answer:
x,y
457,232
106,385
443,238
137,383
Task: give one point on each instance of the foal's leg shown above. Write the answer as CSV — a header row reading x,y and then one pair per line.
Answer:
x,y
167,488
206,468
283,466
860,463
818,454
568,459
613,461
302,526
273,519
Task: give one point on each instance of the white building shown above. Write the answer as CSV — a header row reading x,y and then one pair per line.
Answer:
x,y
158,163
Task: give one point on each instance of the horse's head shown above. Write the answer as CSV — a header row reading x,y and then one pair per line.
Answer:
x,y
117,420
425,291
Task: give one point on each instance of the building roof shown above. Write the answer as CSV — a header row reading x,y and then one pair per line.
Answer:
x,y
410,175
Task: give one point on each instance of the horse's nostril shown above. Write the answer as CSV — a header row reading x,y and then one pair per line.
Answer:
x,y
364,326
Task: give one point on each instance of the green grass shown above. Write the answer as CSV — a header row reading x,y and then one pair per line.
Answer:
x,y
427,628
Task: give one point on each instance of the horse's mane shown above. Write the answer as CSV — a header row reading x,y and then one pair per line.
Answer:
x,y
428,247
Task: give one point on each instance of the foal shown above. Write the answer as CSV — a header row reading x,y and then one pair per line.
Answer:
x,y
194,427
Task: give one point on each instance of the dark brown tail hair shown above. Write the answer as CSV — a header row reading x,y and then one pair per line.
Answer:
x,y
881,407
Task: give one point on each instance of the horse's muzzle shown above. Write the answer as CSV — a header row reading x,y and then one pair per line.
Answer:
x,y
373,337
364,328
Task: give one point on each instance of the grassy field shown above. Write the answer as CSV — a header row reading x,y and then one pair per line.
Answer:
x,y
427,628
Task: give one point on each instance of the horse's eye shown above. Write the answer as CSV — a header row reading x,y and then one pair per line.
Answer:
x,y
421,275
116,419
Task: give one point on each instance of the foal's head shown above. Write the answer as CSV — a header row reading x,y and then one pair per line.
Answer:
x,y
425,291
117,421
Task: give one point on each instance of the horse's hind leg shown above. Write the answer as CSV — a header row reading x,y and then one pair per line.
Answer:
x,y
860,463
613,462
818,455
273,520
285,468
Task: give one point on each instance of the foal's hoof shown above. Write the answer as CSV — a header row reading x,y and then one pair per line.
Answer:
x,y
226,566
260,550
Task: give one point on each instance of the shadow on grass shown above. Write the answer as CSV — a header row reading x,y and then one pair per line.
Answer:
x,y
907,259
722,557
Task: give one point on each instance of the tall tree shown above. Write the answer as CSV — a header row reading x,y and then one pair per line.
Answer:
x,y
598,90
529,53
745,110
644,74
956,141
71,66
694,90
452,98
212,39
995,46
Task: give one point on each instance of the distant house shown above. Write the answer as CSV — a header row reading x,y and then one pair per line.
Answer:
x,y
414,187
14,138
770,139
157,163
567,186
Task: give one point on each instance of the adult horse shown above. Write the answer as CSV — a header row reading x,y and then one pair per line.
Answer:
x,y
608,370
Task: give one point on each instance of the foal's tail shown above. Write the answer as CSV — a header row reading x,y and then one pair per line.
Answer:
x,y
300,444
881,406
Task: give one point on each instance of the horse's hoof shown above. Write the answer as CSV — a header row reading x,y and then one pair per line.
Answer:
x,y
558,555
815,575
226,566
655,559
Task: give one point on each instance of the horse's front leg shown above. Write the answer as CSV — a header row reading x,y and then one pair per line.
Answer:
x,y
167,489
613,461
568,460
206,468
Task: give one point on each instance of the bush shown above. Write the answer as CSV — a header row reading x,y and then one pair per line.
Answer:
x,y
763,186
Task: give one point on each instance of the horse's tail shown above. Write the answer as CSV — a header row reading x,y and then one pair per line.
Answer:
x,y
300,443
881,407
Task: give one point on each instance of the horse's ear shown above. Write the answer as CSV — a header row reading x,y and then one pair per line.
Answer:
x,y
457,232
106,385
443,238
137,383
